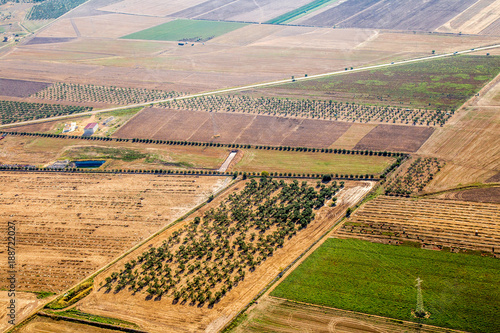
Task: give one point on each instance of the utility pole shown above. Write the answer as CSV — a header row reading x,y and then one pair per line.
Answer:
x,y
420,311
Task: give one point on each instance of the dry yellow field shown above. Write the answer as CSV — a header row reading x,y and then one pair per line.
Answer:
x,y
69,225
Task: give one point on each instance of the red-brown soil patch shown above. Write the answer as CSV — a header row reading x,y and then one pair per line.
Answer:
x,y
395,138
488,194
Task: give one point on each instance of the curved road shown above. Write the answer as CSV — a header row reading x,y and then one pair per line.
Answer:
x,y
258,85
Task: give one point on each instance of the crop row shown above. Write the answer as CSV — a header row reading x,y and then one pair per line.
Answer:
x,y
316,109
415,178
52,9
102,94
202,262
12,112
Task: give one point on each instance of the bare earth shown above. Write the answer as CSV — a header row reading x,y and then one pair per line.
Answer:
x,y
25,304
68,225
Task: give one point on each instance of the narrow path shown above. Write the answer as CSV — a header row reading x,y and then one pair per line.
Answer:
x,y
260,85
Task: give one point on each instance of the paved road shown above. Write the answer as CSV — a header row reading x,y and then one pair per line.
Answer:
x,y
260,85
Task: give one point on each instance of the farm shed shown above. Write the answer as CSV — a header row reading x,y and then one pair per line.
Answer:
x,y
90,129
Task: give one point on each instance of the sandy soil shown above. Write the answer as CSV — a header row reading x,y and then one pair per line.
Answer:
x,y
25,304
150,7
45,325
158,316
68,225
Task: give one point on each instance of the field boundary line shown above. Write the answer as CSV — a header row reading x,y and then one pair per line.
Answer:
x,y
405,322
267,84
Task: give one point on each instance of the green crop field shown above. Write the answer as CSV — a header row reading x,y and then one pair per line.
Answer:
x,y
186,30
459,291
309,162
301,11
442,83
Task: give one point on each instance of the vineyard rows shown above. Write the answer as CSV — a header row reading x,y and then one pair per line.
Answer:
x,y
316,109
433,223
52,9
102,94
415,178
12,112
210,255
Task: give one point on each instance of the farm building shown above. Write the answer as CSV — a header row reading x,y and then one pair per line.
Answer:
x,y
90,129
69,128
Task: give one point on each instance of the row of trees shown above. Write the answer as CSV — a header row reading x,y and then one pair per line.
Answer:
x,y
203,261
12,111
319,109
414,178
103,94
216,144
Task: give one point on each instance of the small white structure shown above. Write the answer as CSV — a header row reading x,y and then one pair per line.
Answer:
x,y
107,121
90,129
70,128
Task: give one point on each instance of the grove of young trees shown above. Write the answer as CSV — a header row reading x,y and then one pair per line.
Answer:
x,y
316,109
51,9
12,112
204,260
102,94
415,178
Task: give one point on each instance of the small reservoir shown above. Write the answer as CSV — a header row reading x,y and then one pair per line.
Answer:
x,y
88,164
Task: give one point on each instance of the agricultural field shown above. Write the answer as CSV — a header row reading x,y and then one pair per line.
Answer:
x,y
435,84
13,112
235,128
380,279
389,14
26,303
186,31
52,9
160,313
413,178
44,151
481,194
68,225
480,18
273,314
101,94
428,223
310,108
258,11
19,88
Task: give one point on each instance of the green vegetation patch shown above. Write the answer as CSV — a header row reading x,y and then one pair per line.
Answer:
x,y
74,313
52,9
301,11
186,30
441,83
72,296
459,291
310,162
88,153
12,112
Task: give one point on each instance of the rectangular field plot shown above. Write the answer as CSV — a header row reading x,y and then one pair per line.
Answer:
x,y
432,223
186,30
308,162
241,10
435,84
69,225
20,88
395,138
459,291
390,14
